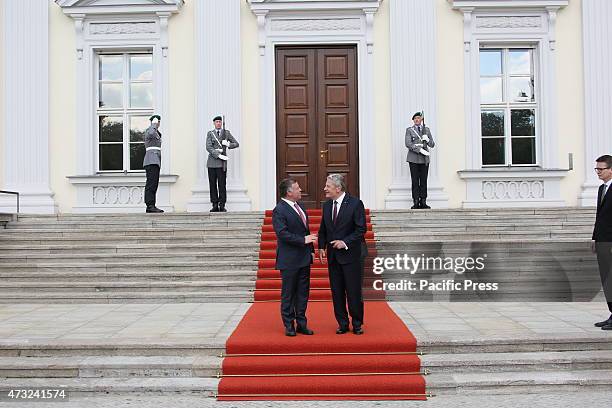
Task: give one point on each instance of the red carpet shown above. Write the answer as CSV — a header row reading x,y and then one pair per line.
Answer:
x,y
264,364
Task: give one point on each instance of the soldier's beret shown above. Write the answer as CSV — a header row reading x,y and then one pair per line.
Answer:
x,y
155,117
416,114
217,118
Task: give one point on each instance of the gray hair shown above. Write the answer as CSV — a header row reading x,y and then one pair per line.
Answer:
x,y
285,186
337,180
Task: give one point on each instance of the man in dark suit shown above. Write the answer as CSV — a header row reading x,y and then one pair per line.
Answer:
x,y
602,232
341,235
294,254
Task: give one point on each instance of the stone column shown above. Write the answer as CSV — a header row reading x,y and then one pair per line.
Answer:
x,y
218,82
596,15
413,88
26,107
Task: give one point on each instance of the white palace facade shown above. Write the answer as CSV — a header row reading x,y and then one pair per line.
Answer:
x,y
517,93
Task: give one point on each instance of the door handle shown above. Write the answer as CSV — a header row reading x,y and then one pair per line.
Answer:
x,y
323,152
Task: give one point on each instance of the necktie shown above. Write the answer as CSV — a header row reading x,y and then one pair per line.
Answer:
x,y
603,192
299,210
335,212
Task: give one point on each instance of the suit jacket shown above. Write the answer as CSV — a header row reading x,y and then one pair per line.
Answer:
x,y
602,232
350,227
152,138
212,144
291,252
413,138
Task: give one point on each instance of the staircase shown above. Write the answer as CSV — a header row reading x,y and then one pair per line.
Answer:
x,y
143,258
533,254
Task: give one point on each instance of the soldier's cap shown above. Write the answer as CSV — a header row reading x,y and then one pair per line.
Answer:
x,y
416,114
217,118
155,117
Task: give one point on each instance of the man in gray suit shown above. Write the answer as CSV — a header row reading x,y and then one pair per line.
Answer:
x,y
152,163
218,141
418,141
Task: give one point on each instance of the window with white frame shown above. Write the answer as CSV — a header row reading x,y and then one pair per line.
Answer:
x,y
125,102
508,106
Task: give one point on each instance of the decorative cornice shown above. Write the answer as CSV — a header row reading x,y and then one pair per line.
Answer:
x,y
105,7
312,5
507,4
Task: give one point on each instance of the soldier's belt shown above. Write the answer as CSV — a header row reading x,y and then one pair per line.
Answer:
x,y
153,148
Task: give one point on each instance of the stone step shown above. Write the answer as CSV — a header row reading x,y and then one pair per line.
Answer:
x,y
379,228
143,276
41,239
133,226
167,215
82,387
110,366
95,257
110,347
508,362
120,247
523,382
221,296
43,287
480,236
145,265
131,232
554,342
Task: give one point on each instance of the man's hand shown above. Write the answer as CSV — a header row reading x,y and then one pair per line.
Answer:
x,y
337,244
424,152
225,142
593,247
322,255
309,239
222,157
425,138
219,150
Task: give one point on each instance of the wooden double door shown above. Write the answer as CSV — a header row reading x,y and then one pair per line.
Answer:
x,y
316,118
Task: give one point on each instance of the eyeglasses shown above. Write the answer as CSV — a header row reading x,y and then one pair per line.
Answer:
x,y
599,169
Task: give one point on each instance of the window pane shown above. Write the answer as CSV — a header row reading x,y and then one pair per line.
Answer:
x,y
111,67
492,123
493,151
111,96
523,150
522,122
141,95
490,62
491,90
519,62
138,126
521,89
137,152
111,128
141,67
111,157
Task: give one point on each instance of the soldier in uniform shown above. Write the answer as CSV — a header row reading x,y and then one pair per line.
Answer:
x,y
418,141
152,163
218,141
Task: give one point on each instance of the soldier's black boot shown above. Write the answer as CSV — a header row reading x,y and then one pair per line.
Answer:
x,y
416,204
424,204
215,207
154,209
222,207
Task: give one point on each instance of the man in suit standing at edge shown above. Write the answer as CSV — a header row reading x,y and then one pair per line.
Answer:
x,y
602,232
343,226
294,254
152,163
218,141
418,141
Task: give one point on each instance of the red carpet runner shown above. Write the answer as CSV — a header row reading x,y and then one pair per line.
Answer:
x,y
261,363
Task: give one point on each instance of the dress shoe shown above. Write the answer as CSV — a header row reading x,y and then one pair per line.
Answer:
x,y
290,332
341,330
358,330
607,327
424,204
222,207
604,323
305,330
154,209
215,208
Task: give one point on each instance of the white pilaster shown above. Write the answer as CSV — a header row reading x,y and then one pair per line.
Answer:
x,y
413,79
596,34
26,66
218,82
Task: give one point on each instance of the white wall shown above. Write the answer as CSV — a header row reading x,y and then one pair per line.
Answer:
x,y
2,88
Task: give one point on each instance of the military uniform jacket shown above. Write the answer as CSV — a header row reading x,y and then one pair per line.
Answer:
x,y
152,139
413,137
212,144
